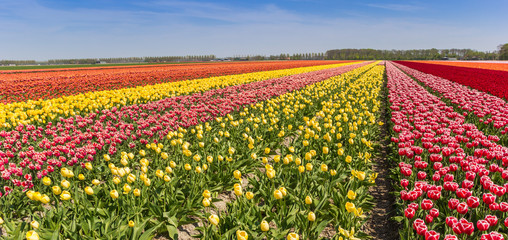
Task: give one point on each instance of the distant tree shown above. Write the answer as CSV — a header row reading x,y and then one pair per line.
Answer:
x,y
503,51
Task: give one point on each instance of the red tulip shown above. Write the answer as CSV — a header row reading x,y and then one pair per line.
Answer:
x,y
409,213
462,208
482,225
427,204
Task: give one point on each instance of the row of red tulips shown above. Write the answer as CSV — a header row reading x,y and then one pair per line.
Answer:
x,y
452,176
28,151
491,81
25,86
489,109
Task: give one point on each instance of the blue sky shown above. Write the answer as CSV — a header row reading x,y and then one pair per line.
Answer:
x,y
54,29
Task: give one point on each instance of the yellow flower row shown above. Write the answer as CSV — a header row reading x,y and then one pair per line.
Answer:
x,y
40,111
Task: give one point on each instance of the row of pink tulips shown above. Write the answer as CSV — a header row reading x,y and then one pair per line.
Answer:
x,y
452,180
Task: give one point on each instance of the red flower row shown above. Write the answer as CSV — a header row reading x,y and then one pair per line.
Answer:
x,y
491,81
28,150
488,108
46,85
446,166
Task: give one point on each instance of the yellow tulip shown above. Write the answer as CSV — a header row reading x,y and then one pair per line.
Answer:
x,y
81,177
164,155
351,195
293,236
238,189
88,166
34,224
126,188
106,157
283,191
264,226
30,194
1,221
56,190
46,181
270,173
311,216
301,169
167,178
137,192
350,207
147,182
349,159
333,172
206,202
241,235
159,173
89,190
131,223
65,184
249,195
324,167
308,166
206,194
131,178
308,200
32,235
117,180
113,194
65,196
95,182
278,194
188,167
237,174
267,150
45,199
142,152
326,150
214,219
276,158
360,175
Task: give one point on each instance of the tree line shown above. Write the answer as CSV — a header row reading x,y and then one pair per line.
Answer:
x,y
413,54
335,54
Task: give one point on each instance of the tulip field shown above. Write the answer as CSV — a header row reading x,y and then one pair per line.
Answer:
x,y
259,150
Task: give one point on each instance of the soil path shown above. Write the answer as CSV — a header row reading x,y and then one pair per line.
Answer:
x,y
380,226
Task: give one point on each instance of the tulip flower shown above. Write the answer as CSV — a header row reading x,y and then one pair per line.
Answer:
x,y
113,194
65,196
264,226
213,219
241,235
311,216
34,224
89,190
32,235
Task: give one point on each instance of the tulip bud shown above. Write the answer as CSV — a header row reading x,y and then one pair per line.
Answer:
x,y
137,192
45,199
214,219
351,195
206,202
293,236
65,196
65,184
113,194
46,181
89,190
264,226
34,224
249,195
32,235
56,190
311,216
